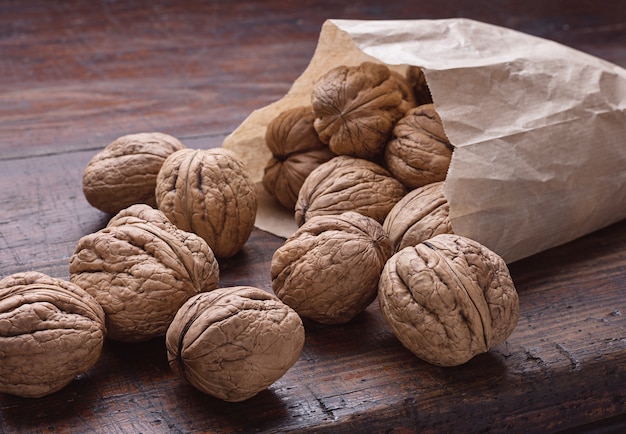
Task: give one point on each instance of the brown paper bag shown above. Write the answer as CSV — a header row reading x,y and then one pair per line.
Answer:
x,y
539,129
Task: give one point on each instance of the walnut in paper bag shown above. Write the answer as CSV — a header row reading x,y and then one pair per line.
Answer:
x,y
419,153
537,127
356,108
296,152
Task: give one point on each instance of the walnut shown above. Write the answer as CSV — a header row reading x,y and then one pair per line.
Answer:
x,y
124,173
448,299
420,151
406,89
328,269
209,192
50,331
296,151
357,107
418,216
234,342
417,80
141,269
348,184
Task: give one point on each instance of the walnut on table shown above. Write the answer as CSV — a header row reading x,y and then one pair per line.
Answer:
x,y
51,330
210,193
418,216
328,270
124,173
141,269
448,299
234,342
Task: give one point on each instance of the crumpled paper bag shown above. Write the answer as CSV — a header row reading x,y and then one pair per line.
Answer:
x,y
539,129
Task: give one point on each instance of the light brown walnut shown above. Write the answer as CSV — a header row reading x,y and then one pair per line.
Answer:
x,y
234,342
296,150
418,216
328,269
348,184
419,152
448,299
141,269
51,331
209,192
356,108
124,173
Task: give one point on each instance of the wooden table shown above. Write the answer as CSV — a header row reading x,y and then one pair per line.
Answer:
x,y
74,75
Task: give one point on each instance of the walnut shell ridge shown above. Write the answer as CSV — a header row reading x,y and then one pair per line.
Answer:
x,y
124,173
448,299
51,331
234,342
210,193
419,152
348,184
422,214
296,150
356,108
141,269
328,270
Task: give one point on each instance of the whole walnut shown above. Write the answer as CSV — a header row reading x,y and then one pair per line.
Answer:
x,y
234,342
50,332
209,192
141,269
418,216
328,270
417,80
448,299
296,150
419,152
356,108
348,184
124,173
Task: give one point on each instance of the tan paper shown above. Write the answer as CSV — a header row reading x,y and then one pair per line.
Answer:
x,y
538,128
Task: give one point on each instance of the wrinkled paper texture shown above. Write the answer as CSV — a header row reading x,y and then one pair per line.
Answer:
x,y
539,128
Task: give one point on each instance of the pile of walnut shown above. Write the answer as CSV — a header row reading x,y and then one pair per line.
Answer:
x,y
363,169
153,271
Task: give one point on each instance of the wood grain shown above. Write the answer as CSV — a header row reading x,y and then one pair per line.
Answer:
x,y
75,75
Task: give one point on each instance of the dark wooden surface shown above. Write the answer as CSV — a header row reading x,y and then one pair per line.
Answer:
x,y
74,75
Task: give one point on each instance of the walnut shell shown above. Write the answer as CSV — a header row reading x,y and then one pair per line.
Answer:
x,y
124,173
209,192
141,269
328,269
296,150
234,342
356,108
348,184
448,299
50,331
418,216
420,151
